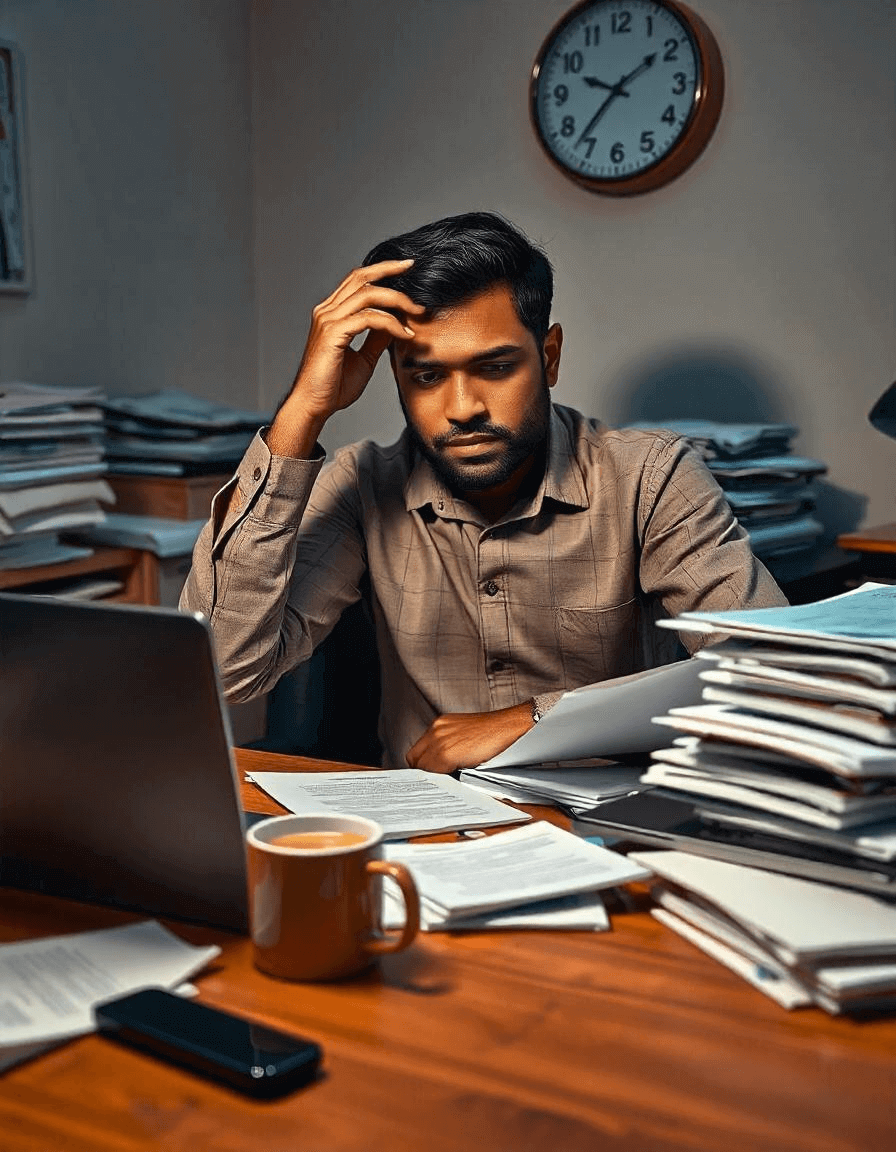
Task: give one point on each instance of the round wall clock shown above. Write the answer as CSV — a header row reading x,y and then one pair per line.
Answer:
x,y
625,94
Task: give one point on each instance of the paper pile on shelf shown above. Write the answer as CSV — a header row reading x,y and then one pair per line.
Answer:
x,y
172,433
538,876
51,466
770,490
795,741
159,534
798,941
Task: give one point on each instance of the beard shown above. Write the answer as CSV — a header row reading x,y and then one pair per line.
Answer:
x,y
498,461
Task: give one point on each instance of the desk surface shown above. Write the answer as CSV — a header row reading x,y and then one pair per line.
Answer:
x,y
880,539
627,1041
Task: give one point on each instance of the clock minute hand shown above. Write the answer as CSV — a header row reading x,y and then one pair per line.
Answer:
x,y
646,63
617,89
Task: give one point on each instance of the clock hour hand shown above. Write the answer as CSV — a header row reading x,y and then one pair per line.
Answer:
x,y
617,89
593,82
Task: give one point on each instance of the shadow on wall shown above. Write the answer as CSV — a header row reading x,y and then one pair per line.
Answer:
x,y
695,384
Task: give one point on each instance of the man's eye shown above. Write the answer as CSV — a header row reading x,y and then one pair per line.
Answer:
x,y
499,368
426,379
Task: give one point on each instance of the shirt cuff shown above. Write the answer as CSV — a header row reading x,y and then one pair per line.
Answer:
x,y
274,487
546,700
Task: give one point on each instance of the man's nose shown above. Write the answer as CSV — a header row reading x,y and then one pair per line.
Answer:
x,y
463,400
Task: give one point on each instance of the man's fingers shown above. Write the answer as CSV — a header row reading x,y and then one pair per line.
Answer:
x,y
375,344
375,296
370,274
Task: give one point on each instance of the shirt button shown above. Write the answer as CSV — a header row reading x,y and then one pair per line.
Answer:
x,y
256,475
492,588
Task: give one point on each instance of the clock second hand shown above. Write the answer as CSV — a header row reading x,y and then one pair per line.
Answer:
x,y
617,89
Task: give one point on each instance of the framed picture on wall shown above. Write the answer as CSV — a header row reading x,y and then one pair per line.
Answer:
x,y
15,249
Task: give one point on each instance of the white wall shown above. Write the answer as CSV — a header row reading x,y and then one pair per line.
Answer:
x,y
139,131
760,283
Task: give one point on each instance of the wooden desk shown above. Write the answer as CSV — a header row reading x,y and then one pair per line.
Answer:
x,y
626,1041
877,549
882,539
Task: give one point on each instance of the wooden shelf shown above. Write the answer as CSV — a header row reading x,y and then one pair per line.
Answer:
x,y
137,570
174,497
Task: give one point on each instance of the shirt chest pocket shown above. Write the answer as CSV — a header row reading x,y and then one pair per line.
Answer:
x,y
599,643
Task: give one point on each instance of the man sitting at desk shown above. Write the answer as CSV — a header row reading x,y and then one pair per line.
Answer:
x,y
510,548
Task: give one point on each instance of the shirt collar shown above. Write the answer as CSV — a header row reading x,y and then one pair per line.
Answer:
x,y
563,481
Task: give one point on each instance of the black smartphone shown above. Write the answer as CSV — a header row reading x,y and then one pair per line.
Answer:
x,y
253,1058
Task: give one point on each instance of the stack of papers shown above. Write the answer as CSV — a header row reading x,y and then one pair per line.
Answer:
x,y
568,787
161,535
796,737
51,465
48,987
172,433
770,490
798,941
533,877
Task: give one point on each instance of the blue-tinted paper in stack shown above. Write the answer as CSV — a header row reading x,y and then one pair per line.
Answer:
x,y
172,433
51,466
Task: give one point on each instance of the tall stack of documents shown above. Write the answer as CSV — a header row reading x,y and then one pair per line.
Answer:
x,y
770,489
795,745
798,941
51,466
172,433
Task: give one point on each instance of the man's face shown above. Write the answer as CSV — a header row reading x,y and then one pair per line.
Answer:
x,y
474,388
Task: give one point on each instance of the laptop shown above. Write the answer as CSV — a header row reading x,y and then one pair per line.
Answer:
x,y
117,779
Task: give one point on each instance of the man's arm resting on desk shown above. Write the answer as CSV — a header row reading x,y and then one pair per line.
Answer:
x,y
465,739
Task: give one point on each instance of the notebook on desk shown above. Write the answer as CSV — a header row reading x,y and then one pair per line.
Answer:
x,y
117,778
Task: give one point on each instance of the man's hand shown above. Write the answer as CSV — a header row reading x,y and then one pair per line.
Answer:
x,y
332,374
465,739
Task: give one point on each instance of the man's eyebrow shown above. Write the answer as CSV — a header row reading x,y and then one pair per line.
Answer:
x,y
408,362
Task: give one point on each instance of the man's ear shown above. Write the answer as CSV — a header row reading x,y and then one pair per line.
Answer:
x,y
550,352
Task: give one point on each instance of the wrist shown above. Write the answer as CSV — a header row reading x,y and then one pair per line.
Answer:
x,y
294,432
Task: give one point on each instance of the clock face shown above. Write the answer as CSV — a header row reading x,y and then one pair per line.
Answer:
x,y
626,93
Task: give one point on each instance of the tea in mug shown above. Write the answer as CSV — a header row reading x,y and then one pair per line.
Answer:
x,y
317,841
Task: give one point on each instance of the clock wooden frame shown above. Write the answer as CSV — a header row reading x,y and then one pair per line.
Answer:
x,y
696,133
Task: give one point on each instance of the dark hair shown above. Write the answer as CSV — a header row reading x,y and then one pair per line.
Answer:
x,y
461,256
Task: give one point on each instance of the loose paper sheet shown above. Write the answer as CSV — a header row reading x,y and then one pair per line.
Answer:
x,y
405,802
48,987
609,719
511,868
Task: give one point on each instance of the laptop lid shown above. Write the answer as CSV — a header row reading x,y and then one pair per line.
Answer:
x,y
117,778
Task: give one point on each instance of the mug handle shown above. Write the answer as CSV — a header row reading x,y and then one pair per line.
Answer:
x,y
395,942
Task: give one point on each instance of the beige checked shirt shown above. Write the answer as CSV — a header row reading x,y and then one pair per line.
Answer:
x,y
470,617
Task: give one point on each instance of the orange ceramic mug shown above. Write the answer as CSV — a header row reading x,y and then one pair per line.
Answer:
x,y
315,896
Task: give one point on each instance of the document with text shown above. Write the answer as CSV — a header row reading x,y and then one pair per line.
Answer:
x,y
48,987
404,802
